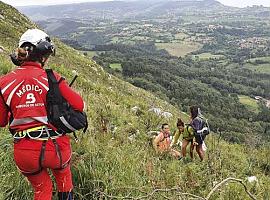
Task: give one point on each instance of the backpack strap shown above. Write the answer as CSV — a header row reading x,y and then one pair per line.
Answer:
x,y
85,128
187,127
54,85
205,126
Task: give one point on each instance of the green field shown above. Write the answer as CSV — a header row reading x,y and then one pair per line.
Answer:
x,y
206,56
90,54
114,40
262,68
250,103
180,36
264,59
116,66
140,38
179,49
122,40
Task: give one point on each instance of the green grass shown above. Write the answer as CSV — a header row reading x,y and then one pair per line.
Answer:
x,y
89,54
108,165
5,64
206,56
114,40
180,36
140,38
251,104
179,49
261,68
117,66
127,42
265,59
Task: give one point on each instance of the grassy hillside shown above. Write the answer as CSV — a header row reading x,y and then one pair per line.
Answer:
x,y
179,49
114,159
249,102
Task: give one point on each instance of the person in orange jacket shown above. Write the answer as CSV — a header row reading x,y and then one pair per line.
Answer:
x,y
162,142
37,145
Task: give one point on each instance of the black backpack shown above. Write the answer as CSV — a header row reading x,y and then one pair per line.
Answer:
x,y
60,114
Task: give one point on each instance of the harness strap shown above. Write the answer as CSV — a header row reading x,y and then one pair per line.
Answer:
x,y
37,133
41,159
42,153
59,155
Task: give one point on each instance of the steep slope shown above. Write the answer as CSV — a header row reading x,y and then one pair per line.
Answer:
x,y
93,81
107,163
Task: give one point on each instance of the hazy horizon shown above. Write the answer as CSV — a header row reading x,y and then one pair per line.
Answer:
x,y
235,3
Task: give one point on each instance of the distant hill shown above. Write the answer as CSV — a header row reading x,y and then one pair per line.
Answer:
x,y
114,159
119,9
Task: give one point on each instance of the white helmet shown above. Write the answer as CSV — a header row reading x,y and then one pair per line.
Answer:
x,y
33,36
37,44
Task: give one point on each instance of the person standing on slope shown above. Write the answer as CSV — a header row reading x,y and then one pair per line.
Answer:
x,y
37,145
188,137
200,128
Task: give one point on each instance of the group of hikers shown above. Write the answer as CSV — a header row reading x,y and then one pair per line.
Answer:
x,y
192,133
41,107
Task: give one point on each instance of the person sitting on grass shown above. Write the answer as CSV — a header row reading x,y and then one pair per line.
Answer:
x,y
162,142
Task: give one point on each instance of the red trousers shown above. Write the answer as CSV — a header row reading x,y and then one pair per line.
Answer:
x,y
28,161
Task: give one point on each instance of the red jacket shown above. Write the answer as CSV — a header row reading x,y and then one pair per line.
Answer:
x,y
24,93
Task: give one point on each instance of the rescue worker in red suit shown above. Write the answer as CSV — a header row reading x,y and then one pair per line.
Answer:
x,y
37,146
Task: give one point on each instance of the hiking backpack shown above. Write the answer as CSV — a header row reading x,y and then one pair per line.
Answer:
x,y
60,114
205,127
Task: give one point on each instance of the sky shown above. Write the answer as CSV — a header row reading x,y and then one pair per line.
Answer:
x,y
236,3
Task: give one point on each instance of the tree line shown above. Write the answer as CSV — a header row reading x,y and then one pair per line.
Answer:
x,y
184,82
